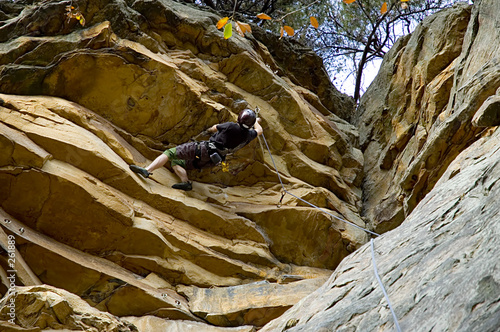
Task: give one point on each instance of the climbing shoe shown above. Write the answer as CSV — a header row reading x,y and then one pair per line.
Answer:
x,y
140,170
183,186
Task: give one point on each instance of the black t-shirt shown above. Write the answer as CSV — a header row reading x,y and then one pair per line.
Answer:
x,y
230,135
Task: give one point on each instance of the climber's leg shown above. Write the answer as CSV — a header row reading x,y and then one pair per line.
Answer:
x,y
181,173
158,162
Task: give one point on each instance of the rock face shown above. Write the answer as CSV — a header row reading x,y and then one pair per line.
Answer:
x,y
416,116
47,307
406,119
97,247
438,267
79,104
430,141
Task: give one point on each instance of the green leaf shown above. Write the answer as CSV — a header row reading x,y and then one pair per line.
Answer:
x,y
228,31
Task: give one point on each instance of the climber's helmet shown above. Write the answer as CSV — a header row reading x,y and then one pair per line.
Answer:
x,y
247,118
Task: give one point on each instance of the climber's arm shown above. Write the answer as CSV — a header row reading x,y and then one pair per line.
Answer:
x,y
212,129
258,127
209,131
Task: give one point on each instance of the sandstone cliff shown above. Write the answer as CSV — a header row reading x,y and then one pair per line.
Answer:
x,y
79,104
98,248
428,129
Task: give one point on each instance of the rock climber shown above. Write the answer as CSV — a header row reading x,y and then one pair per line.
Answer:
x,y
226,138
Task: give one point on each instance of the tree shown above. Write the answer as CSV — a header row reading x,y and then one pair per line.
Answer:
x,y
227,22
355,32
351,34
248,8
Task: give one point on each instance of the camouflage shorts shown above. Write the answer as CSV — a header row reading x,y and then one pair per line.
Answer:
x,y
174,160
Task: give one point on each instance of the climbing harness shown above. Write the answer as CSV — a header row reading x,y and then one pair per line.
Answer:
x,y
284,192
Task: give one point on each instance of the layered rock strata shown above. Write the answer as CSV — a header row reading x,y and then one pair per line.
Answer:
x,y
432,172
438,267
79,104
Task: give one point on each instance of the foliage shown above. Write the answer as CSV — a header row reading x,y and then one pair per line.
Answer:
x,y
72,12
356,32
348,34
226,22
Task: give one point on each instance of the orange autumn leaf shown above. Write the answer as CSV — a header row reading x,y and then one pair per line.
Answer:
x,y
314,22
243,27
383,10
222,22
263,16
349,1
281,32
405,0
289,30
239,31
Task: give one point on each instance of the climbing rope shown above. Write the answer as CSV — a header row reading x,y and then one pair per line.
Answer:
x,y
308,203
284,192
382,286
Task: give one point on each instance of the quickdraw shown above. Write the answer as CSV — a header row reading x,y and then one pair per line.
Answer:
x,y
280,204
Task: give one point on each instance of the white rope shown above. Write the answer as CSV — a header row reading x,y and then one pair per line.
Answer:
x,y
310,204
348,222
382,286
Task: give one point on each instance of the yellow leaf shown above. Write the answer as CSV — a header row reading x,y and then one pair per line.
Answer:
x,y
314,22
82,21
228,31
222,22
405,0
263,16
289,30
244,27
349,1
383,10
77,17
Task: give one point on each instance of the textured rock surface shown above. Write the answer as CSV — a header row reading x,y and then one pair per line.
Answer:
x,y
156,324
406,121
79,104
222,306
46,307
416,116
439,266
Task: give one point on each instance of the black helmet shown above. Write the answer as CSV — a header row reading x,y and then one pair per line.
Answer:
x,y
247,118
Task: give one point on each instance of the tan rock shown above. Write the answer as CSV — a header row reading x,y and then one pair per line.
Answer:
x,y
139,78
253,304
406,147
155,324
488,114
435,267
47,307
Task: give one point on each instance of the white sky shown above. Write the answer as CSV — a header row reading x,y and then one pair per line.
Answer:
x,y
345,83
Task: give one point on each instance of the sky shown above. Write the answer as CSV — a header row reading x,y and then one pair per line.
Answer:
x,y
346,82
